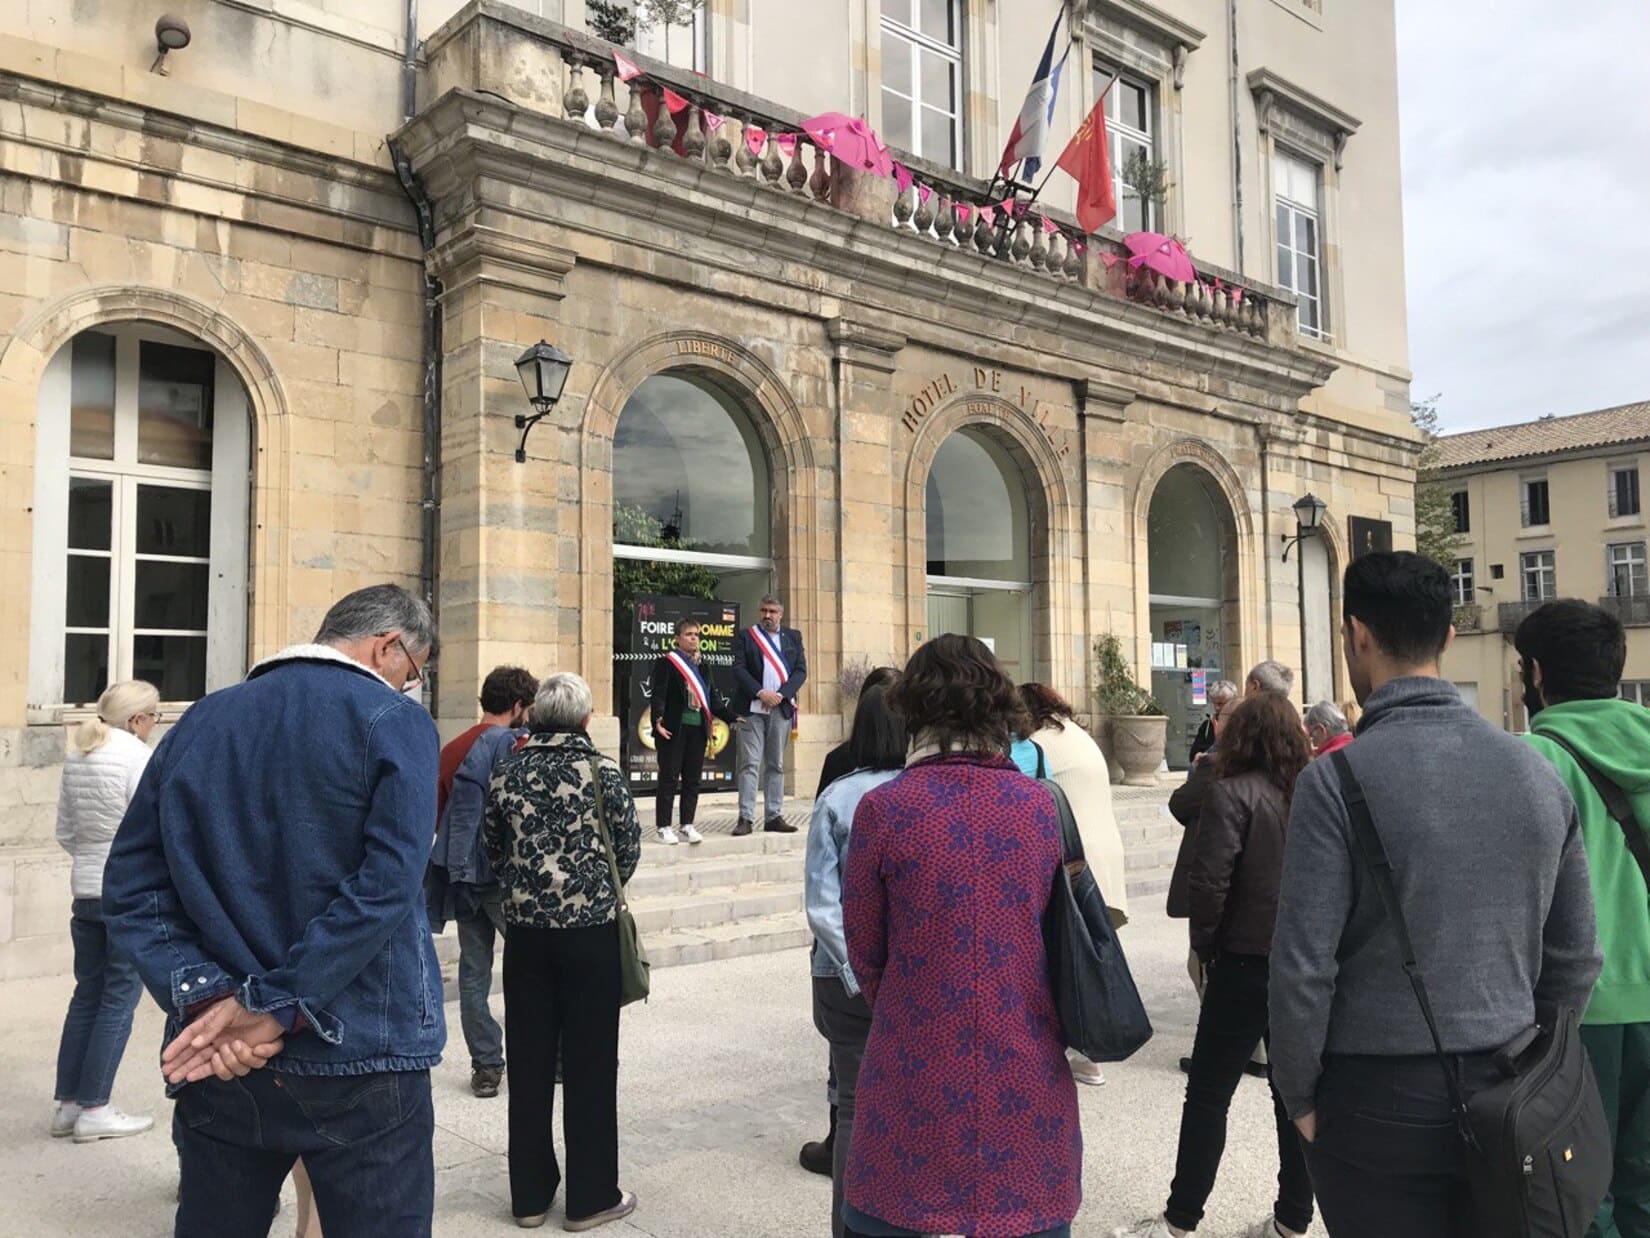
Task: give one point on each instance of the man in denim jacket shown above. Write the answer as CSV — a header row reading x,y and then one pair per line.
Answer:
x,y
266,881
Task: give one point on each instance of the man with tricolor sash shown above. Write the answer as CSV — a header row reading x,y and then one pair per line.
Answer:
x,y
769,669
683,702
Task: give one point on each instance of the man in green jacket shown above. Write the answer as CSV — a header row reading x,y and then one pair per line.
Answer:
x,y
1571,657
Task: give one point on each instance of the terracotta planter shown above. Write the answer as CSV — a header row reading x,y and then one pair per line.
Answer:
x,y
1137,745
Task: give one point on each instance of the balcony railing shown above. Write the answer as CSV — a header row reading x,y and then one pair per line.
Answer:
x,y
1469,617
1510,614
1632,611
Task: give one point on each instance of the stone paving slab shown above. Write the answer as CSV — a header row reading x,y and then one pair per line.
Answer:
x,y
721,1080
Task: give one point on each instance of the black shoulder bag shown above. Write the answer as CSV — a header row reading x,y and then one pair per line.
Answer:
x,y
1538,1151
1101,1014
1615,803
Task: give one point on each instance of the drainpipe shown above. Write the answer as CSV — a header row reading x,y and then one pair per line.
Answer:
x,y
409,64
1237,136
429,501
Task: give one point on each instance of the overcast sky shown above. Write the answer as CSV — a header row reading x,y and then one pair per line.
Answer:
x,y
1526,132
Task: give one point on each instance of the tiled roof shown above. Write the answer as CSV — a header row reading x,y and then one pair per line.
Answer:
x,y
1550,435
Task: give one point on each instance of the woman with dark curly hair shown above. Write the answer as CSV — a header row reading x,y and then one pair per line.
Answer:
x,y
966,1116
1235,868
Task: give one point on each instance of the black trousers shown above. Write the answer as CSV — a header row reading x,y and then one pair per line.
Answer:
x,y
1232,1021
561,992
681,762
1388,1158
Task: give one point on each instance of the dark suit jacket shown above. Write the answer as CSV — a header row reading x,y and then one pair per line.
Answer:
x,y
1186,806
670,696
747,670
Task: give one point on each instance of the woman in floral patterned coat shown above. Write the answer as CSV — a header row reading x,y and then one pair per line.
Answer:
x,y
967,1119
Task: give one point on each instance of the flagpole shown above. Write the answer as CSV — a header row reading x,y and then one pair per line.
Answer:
x,y
1036,193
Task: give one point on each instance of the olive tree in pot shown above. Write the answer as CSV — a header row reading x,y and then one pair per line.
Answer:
x,y
1133,727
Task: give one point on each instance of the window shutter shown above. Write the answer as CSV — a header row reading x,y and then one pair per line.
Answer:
x,y
1524,504
1612,492
1610,569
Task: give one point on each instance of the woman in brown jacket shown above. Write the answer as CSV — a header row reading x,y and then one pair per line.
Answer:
x,y
1233,873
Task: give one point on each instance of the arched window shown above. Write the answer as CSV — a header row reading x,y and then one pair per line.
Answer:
x,y
1192,561
142,454
979,548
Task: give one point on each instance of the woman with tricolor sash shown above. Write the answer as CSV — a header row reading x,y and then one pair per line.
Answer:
x,y
683,702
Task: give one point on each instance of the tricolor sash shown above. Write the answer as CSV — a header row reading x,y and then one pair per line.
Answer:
x,y
694,681
769,645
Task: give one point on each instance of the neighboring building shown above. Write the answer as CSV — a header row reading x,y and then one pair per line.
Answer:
x,y
1548,509
214,416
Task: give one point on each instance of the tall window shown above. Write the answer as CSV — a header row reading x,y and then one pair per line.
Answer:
x,y
1540,576
1296,188
1627,577
1461,581
1636,690
1462,511
1131,122
922,78
1534,508
1624,490
686,45
141,501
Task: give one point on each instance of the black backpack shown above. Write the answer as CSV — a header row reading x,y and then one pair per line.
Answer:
x,y
1538,1158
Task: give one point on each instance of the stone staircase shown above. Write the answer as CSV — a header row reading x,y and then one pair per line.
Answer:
x,y
729,897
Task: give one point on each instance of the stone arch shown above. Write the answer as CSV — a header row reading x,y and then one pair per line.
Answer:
x,y
38,338
792,469
1335,548
1056,543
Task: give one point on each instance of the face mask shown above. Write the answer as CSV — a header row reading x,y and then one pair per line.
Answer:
x,y
1533,704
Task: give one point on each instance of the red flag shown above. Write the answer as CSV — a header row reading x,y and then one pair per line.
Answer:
x,y
1087,158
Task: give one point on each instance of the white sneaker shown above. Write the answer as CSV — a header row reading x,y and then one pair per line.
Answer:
x,y
668,837
1151,1227
107,1122
692,835
1085,1071
63,1119
1269,1228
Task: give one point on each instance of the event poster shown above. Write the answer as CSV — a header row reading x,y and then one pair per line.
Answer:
x,y
653,632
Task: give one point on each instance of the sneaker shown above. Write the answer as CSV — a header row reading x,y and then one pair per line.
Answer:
x,y
620,1210
532,1222
63,1119
778,825
1268,1228
668,837
484,1080
743,828
1085,1071
816,1156
107,1122
1151,1227
692,835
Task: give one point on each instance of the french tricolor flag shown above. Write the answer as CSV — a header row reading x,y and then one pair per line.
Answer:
x,y
1030,137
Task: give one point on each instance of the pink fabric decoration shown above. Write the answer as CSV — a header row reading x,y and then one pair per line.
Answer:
x,y
963,213
713,121
989,215
1110,260
851,140
755,139
1049,225
786,143
924,193
902,177
625,67
674,101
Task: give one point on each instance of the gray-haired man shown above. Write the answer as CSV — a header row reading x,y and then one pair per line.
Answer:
x,y
769,669
1269,676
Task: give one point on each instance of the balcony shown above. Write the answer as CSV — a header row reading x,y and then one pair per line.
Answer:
x,y
1469,617
1634,612
1508,615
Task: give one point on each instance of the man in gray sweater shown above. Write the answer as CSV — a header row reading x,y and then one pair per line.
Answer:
x,y
1491,874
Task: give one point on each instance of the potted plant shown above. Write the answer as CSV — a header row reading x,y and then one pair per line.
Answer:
x,y
1135,729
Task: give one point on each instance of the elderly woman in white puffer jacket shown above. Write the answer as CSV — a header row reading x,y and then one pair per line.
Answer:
x,y
100,775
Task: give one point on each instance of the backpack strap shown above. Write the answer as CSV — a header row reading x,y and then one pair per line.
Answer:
x,y
1042,761
1380,868
1615,803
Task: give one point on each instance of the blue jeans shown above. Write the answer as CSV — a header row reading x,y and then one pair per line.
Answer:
x,y
365,1141
95,1030
476,934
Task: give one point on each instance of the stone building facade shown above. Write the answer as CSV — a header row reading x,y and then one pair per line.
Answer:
x,y
248,363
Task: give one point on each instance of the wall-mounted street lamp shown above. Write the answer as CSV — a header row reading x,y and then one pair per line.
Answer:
x,y
1309,510
171,35
543,369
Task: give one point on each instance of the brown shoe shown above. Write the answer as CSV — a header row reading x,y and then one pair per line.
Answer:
x,y
778,825
743,828
620,1210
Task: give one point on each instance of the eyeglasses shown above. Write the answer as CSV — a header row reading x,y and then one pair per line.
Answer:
x,y
417,670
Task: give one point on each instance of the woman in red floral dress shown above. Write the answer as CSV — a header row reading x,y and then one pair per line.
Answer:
x,y
968,1117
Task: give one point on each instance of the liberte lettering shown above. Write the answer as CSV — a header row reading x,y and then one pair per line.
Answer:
x,y
706,348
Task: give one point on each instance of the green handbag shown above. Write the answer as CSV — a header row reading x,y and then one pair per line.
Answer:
x,y
634,977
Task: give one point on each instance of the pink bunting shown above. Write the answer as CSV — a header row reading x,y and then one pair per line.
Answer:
x,y
924,193
755,138
1109,260
713,121
674,101
1010,207
1237,296
988,214
1050,226
625,67
963,213
786,143
1081,247
902,177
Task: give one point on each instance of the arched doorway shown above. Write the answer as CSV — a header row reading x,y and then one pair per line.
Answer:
x,y
979,548
142,460
1192,566
692,520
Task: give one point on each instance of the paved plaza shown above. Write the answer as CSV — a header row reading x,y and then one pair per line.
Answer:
x,y
722,1078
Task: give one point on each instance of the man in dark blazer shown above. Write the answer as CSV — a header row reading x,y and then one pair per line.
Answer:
x,y
681,726
769,669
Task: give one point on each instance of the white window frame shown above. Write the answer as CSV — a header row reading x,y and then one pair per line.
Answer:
x,y
1298,213
1462,583
1636,690
1117,133
920,43
1529,568
658,42
1631,557
1526,509
1612,503
228,479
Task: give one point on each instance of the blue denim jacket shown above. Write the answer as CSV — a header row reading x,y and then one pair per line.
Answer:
x,y
822,876
275,850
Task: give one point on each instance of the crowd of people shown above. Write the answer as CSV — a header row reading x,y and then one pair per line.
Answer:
x,y
271,873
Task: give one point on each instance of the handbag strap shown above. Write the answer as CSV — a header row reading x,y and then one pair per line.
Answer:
x,y
1615,803
1042,761
1071,840
605,836
1380,868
